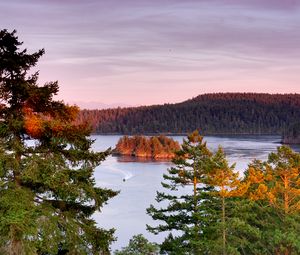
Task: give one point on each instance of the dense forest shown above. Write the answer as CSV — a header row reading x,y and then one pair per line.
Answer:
x,y
292,134
221,113
160,147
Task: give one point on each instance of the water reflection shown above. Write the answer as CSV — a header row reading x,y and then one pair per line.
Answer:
x,y
131,159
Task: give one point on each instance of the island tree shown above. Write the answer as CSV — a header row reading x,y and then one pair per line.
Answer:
x,y
47,190
156,147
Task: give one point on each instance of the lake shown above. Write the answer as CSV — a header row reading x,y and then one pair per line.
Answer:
x,y
138,181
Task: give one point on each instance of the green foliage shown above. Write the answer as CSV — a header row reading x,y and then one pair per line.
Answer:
x,y
184,211
139,245
293,131
205,210
47,189
218,113
274,185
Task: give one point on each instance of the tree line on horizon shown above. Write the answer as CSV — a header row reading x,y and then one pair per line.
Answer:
x,y
219,113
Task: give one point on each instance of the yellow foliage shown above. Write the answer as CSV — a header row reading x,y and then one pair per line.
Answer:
x,y
256,176
241,189
227,182
280,186
272,198
260,193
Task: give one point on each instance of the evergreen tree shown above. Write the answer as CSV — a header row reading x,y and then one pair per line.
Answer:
x,y
152,147
226,183
275,186
185,210
203,210
138,245
47,189
157,147
216,113
230,232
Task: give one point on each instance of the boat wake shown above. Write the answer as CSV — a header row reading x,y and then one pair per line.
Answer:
x,y
125,174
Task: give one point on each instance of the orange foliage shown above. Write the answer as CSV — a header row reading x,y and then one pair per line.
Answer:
x,y
279,186
33,124
240,189
72,112
227,182
260,193
36,124
256,176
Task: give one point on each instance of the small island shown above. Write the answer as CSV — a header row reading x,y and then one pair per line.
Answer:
x,y
292,135
156,147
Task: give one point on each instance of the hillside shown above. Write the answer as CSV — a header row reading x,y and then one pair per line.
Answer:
x,y
222,113
292,134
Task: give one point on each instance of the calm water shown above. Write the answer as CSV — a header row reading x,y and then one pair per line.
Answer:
x,y
126,212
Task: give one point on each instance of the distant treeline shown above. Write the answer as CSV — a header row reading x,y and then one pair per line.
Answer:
x,y
160,147
221,113
292,134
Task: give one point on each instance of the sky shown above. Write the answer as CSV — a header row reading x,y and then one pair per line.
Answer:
x,y
141,52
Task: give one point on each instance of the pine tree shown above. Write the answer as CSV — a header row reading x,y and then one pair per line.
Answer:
x,y
226,183
230,228
185,207
275,186
157,147
204,210
138,245
47,189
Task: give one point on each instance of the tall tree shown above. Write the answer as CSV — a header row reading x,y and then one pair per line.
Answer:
x,y
203,209
230,225
185,207
226,181
47,189
276,184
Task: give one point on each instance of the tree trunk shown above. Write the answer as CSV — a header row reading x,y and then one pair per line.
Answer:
x,y
197,228
15,246
223,227
286,195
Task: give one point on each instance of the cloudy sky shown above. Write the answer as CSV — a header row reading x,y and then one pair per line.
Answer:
x,y
136,52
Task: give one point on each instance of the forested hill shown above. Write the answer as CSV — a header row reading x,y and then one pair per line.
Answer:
x,y
222,113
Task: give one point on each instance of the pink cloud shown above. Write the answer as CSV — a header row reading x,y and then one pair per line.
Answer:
x,y
108,51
